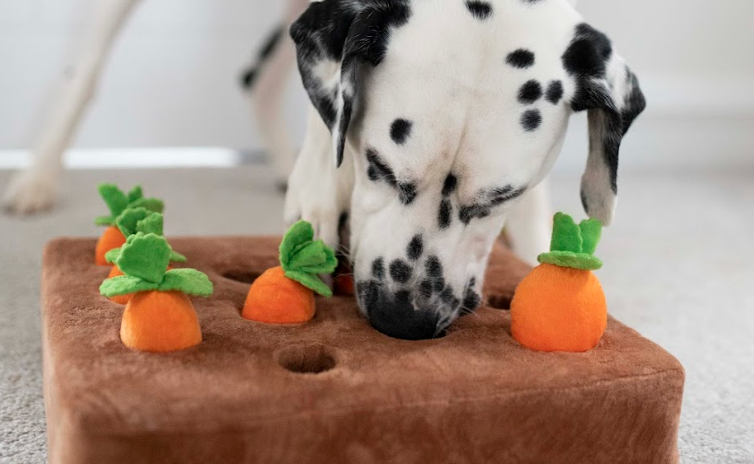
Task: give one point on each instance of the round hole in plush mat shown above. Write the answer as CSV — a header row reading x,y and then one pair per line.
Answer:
x,y
244,276
306,359
502,302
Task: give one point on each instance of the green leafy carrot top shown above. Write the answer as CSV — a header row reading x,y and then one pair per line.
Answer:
x,y
134,220
144,260
302,258
118,201
574,245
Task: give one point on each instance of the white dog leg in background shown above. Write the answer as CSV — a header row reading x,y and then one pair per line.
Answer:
x,y
319,192
267,94
529,224
35,189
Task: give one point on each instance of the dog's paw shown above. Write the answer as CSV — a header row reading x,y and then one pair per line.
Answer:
x,y
30,192
315,205
321,195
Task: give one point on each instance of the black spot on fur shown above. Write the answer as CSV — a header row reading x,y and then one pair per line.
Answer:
x,y
521,58
531,120
635,102
400,130
250,76
450,185
425,289
400,271
378,171
433,266
439,284
490,199
403,297
378,268
530,92
471,299
444,216
448,298
586,60
407,192
415,247
554,92
369,292
480,10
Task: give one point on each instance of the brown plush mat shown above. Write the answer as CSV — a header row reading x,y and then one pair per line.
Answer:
x,y
474,396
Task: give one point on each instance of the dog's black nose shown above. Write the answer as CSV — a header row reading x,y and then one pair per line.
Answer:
x,y
395,316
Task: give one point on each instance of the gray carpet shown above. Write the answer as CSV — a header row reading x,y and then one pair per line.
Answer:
x,y
680,261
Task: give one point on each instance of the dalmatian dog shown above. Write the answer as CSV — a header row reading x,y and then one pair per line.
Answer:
x,y
433,122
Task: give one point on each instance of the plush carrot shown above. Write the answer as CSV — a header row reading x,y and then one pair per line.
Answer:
x,y
131,221
159,317
118,201
560,305
285,294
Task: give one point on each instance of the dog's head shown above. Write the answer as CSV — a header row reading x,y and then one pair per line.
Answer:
x,y
450,111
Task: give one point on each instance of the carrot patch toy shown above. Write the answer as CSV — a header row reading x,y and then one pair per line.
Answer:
x,y
285,294
130,222
560,305
118,201
159,317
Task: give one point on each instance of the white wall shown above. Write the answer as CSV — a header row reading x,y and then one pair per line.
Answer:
x,y
172,80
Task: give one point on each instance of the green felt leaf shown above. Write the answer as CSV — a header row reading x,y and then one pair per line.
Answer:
x,y
125,285
136,193
188,281
151,204
591,232
129,220
566,235
145,256
115,199
310,281
176,257
581,261
112,255
299,234
152,224
312,254
104,221
324,266
302,258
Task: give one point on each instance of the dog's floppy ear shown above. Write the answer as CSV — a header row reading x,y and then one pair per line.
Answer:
x,y
333,37
608,89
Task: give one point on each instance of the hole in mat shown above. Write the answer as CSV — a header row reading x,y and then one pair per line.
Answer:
x,y
306,359
502,302
244,276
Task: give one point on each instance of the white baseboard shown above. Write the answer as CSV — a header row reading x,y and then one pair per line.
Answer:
x,y
139,158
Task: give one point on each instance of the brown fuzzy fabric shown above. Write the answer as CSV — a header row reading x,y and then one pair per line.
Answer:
x,y
335,390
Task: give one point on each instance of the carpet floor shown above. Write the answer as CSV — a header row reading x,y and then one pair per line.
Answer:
x,y
679,262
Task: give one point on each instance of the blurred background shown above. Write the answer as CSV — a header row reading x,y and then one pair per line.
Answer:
x,y
679,255
172,79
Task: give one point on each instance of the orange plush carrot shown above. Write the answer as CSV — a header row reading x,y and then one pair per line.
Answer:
x,y
560,305
159,317
118,201
285,294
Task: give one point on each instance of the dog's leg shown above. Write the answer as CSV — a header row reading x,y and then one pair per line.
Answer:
x,y
35,189
265,82
318,191
529,224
